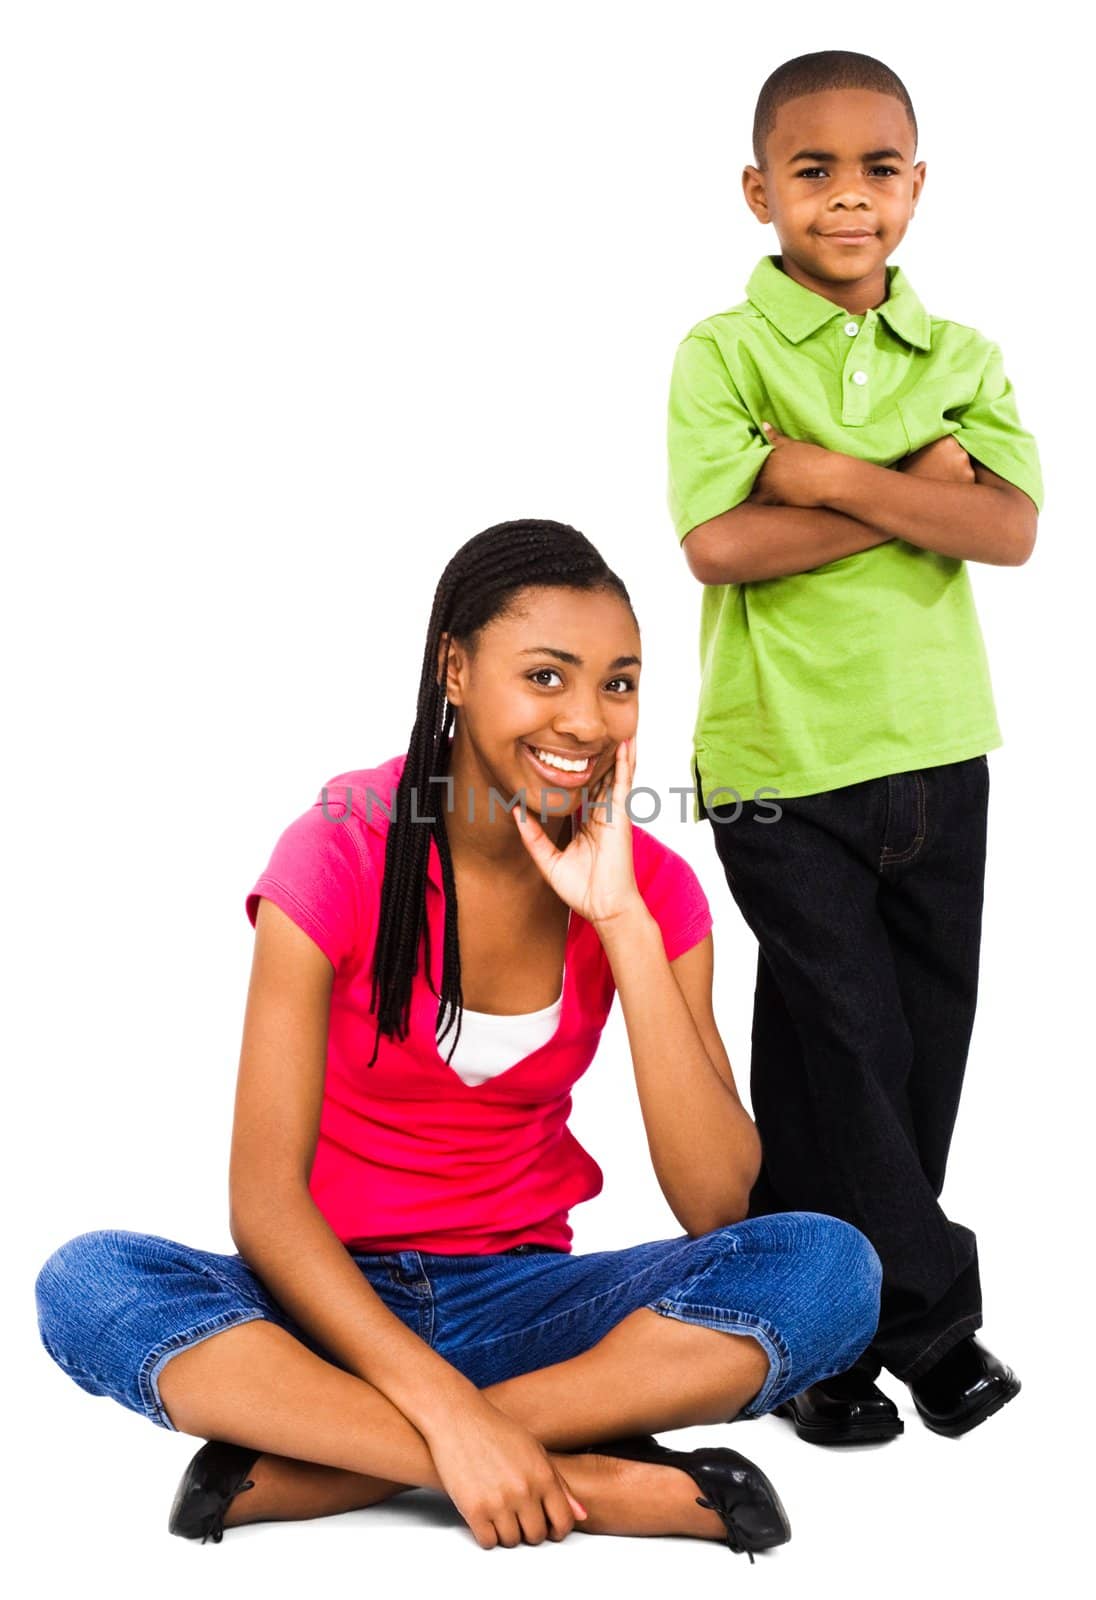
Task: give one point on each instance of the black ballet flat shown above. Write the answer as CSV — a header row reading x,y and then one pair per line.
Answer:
x,y
215,1476
745,1499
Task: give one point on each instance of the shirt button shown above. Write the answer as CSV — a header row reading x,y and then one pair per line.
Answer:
x,y
859,377
852,328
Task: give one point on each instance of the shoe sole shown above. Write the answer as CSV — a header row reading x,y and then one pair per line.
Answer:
x,y
988,1408
841,1433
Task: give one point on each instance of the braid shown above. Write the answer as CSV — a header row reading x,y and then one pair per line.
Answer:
x,y
477,586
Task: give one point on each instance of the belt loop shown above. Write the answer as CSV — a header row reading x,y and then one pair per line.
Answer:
x,y
409,1270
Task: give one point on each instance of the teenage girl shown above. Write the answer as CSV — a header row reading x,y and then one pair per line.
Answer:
x,y
405,1308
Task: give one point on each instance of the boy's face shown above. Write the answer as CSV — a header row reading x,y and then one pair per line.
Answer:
x,y
858,175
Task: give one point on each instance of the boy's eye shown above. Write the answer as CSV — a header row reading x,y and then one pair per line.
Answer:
x,y
808,172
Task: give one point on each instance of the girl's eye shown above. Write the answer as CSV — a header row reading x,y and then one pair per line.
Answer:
x,y
552,672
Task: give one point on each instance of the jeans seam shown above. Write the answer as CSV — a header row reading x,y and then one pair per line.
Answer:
x,y
426,1317
561,1316
748,1323
973,1319
160,1354
886,821
888,857
419,1287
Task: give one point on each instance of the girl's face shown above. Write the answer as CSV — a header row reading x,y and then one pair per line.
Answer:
x,y
551,690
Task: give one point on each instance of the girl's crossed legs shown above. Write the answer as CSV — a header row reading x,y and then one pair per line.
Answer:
x,y
577,1348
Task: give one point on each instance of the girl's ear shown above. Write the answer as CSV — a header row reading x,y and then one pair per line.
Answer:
x,y
450,660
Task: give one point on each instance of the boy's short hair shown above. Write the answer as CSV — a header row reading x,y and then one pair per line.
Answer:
x,y
816,72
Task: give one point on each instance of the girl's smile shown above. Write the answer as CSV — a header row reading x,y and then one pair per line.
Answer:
x,y
565,771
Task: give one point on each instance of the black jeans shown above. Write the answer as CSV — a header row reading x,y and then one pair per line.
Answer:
x,y
866,902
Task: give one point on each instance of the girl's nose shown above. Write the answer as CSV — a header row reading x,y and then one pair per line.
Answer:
x,y
582,719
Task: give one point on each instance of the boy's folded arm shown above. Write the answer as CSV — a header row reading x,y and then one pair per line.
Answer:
x,y
990,520
751,522
751,542
993,519
717,455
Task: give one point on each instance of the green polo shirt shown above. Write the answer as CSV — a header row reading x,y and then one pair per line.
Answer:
x,y
874,663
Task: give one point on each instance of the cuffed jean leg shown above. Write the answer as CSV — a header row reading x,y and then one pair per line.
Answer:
x,y
115,1307
804,1285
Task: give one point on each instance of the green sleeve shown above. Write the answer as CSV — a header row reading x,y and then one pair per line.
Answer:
x,y
716,450
991,432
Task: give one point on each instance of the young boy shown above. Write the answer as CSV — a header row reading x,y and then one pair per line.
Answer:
x,y
836,456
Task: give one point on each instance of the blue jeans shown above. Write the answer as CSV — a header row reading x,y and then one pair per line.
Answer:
x,y
114,1307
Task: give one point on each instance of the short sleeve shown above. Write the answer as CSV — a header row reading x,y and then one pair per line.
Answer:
x,y
673,895
316,876
715,448
991,432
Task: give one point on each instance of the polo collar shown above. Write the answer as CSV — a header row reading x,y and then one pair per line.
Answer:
x,y
796,311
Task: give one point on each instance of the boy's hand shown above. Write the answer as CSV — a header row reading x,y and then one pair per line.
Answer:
x,y
795,473
943,459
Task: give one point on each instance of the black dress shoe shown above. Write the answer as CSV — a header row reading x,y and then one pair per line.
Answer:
x,y
963,1389
215,1476
846,1409
736,1488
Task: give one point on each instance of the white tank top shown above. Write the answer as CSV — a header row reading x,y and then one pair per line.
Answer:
x,y
490,1044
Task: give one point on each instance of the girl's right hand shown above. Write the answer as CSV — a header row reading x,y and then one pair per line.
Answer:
x,y
501,1479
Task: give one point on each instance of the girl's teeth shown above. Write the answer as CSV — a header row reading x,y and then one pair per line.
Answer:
x,y
558,761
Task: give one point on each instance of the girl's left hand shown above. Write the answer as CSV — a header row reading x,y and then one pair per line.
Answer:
x,y
594,874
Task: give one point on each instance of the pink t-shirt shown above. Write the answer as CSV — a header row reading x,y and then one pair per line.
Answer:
x,y
409,1156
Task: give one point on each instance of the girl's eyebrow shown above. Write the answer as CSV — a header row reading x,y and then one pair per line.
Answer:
x,y
577,661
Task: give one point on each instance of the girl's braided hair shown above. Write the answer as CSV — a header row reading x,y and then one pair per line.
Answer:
x,y
478,585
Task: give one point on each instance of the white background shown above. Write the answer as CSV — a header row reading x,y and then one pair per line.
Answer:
x,y
299,297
